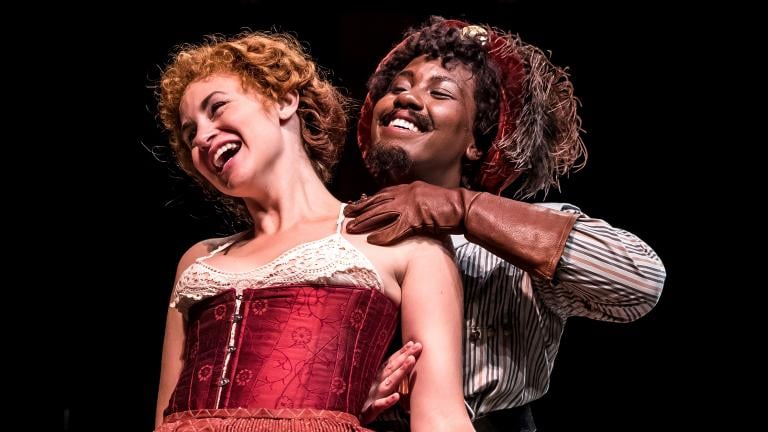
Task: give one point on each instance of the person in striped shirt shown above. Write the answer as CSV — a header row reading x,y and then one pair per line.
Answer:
x,y
456,114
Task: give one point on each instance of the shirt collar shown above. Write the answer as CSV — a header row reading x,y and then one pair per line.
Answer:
x,y
458,240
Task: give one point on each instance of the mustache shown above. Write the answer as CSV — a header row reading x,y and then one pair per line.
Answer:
x,y
421,121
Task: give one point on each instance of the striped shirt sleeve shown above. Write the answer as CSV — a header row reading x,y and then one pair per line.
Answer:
x,y
605,273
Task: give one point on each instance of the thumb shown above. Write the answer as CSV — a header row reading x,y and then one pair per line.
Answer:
x,y
378,406
352,209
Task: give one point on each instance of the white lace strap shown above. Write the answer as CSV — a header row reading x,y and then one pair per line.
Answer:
x,y
340,220
215,251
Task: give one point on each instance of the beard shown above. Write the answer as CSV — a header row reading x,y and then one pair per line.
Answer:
x,y
389,165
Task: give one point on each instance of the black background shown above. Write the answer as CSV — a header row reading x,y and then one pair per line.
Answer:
x,y
128,216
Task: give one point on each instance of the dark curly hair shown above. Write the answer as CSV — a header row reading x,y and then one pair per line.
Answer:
x,y
273,65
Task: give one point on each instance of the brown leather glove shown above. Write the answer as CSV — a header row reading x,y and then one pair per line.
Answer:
x,y
419,208
528,236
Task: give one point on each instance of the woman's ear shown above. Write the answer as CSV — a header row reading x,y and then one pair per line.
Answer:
x,y
287,105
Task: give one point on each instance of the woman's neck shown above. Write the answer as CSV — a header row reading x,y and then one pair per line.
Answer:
x,y
301,199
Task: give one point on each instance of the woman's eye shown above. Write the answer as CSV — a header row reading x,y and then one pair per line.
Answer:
x,y
439,94
216,105
190,137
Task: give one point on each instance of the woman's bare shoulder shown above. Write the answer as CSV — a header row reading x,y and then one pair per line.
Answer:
x,y
419,245
203,248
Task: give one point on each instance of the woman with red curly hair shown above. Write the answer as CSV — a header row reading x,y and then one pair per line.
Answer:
x,y
283,326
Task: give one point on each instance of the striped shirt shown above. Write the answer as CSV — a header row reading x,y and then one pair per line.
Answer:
x,y
513,321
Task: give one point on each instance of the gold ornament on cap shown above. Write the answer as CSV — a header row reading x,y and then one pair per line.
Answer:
x,y
475,32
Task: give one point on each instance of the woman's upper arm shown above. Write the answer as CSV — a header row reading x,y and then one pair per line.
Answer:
x,y
173,342
172,360
432,313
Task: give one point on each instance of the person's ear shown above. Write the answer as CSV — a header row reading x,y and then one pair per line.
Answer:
x,y
287,105
472,152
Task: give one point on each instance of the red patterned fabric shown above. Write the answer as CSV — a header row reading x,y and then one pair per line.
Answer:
x,y
261,419
299,346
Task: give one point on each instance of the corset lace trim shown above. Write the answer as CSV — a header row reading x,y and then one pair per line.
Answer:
x,y
330,260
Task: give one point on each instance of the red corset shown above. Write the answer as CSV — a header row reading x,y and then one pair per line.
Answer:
x,y
297,346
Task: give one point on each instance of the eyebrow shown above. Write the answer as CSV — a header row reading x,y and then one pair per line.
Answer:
x,y
203,104
437,78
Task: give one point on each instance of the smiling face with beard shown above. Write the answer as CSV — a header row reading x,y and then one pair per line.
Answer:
x,y
389,165
422,128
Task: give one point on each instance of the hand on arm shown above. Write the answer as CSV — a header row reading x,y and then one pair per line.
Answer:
x,y
383,394
528,236
398,212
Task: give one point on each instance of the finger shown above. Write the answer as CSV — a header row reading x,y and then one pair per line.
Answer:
x,y
355,208
374,220
377,407
396,360
392,382
386,403
408,365
390,235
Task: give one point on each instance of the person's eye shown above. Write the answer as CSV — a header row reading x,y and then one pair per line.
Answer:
x,y
440,94
190,136
397,88
215,107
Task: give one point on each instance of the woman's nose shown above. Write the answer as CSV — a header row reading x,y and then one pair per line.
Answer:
x,y
204,138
